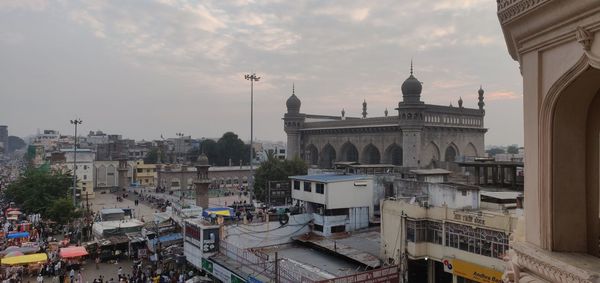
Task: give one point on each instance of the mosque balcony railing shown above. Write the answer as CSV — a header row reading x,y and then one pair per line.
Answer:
x,y
456,120
350,122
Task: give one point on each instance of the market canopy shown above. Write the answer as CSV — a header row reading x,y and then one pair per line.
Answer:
x,y
24,259
223,211
72,252
18,235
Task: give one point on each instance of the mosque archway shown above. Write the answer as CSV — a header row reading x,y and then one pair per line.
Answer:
x,y
371,155
431,154
312,155
470,150
451,153
327,157
349,152
394,155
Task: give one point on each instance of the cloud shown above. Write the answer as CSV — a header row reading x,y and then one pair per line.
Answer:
x,y
456,4
32,5
501,95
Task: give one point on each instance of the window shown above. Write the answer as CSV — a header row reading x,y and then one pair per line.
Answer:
x,y
296,185
318,227
320,188
476,240
434,232
139,170
416,231
307,187
338,229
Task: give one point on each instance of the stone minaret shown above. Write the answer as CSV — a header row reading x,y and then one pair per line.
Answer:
x,y
293,121
481,103
410,111
364,112
202,181
122,171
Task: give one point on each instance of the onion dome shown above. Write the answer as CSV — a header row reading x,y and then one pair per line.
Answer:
x,y
411,89
293,103
202,160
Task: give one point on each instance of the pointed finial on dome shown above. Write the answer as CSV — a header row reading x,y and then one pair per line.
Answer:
x,y
364,113
385,112
343,113
293,89
411,66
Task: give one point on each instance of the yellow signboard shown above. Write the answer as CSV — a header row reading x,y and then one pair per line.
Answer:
x,y
474,272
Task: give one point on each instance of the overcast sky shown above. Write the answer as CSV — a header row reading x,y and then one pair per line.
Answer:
x,y
145,68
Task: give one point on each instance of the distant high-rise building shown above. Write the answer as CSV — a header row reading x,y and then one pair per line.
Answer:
x,y
3,139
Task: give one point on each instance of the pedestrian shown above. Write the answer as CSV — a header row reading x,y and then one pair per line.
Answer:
x,y
40,278
97,262
72,275
120,272
79,277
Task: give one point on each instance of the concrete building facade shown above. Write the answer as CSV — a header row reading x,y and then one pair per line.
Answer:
x,y
555,43
419,135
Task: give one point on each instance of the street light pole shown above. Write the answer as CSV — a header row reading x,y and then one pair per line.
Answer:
x,y
252,78
75,122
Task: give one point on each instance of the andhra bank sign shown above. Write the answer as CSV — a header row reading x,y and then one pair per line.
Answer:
x,y
472,271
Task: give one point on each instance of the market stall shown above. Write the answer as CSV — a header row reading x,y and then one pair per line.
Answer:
x,y
30,263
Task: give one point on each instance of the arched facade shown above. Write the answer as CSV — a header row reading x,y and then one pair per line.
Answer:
x,y
431,153
470,150
371,155
349,152
312,155
451,153
328,156
393,155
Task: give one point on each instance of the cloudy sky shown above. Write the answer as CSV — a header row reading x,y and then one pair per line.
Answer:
x,y
145,68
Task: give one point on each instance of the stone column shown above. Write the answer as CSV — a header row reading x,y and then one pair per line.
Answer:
x,y
477,175
485,175
122,171
411,142
202,181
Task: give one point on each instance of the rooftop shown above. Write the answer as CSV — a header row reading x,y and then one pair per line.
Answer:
x,y
435,171
330,178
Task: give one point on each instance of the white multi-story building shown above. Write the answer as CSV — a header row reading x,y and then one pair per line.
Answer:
x,y
265,148
338,203
442,235
49,139
85,169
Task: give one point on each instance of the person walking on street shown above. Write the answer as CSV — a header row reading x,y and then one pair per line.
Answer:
x,y
97,262
72,275
40,278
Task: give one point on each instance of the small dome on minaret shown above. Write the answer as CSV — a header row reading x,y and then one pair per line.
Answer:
x,y
411,88
293,103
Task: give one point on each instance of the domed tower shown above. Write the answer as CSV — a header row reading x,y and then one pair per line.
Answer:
x,y
411,89
293,121
202,181
410,113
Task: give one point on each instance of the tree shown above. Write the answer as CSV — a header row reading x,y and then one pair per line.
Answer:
x,y
15,143
62,210
495,150
37,190
276,170
153,155
211,149
512,149
231,147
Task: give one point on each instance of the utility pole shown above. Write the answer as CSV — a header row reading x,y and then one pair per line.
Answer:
x,y
252,78
75,122
276,268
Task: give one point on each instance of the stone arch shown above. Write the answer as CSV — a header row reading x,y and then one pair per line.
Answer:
x,y
470,150
102,177
111,176
451,153
349,152
569,190
394,155
431,154
312,155
327,157
371,155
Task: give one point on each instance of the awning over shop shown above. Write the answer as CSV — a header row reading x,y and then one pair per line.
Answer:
x,y
18,235
72,252
223,211
24,259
